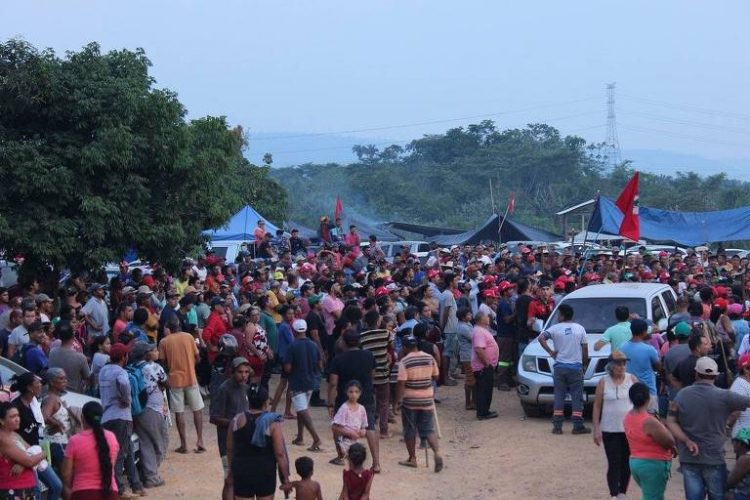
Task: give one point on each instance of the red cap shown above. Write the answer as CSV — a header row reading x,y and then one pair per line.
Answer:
x,y
744,361
488,280
381,291
491,293
721,304
505,285
432,273
664,277
118,351
721,291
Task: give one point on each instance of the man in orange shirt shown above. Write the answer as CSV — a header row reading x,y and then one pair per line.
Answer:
x,y
179,354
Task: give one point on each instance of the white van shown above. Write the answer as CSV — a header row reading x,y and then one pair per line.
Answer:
x,y
593,308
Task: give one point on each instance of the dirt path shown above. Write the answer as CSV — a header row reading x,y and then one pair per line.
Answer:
x,y
504,458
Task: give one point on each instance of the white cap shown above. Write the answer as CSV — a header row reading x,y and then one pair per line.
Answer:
x,y
299,325
707,366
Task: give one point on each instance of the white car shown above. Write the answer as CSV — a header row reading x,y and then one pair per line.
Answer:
x,y
8,369
594,308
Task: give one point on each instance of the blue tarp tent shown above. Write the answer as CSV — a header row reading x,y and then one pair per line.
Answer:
x,y
240,226
685,228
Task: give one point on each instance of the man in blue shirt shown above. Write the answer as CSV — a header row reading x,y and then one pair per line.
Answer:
x,y
301,361
33,356
506,332
643,360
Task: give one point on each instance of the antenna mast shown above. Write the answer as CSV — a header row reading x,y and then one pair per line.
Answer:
x,y
612,143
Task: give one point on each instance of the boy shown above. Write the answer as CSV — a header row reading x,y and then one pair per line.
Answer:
x,y
306,488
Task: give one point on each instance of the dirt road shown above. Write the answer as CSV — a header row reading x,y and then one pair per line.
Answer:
x,y
504,458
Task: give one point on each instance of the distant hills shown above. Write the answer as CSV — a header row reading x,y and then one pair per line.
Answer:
x,y
291,148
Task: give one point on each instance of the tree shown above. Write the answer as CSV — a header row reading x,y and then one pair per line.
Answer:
x,y
95,161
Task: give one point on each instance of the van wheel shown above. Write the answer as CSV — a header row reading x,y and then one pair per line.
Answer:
x,y
533,411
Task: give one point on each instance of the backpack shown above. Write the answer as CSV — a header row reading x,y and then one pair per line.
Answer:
x,y
138,391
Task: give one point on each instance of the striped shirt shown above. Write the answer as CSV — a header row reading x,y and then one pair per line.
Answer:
x,y
417,369
376,341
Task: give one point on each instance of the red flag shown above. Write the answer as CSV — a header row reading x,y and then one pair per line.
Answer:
x,y
627,202
339,208
511,203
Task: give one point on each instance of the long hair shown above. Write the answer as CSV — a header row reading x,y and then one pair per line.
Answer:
x,y
92,415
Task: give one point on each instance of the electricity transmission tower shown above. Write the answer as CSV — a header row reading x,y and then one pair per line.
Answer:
x,y
612,144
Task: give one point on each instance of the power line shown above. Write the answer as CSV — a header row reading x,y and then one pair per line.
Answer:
x,y
433,122
689,107
329,148
690,123
636,128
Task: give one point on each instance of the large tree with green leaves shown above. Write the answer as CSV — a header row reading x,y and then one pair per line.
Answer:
x,y
95,160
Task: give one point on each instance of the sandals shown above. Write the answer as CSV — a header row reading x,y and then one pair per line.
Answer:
x,y
336,461
199,449
315,448
181,450
298,442
438,464
408,463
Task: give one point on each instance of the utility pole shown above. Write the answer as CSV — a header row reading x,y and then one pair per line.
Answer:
x,y
612,143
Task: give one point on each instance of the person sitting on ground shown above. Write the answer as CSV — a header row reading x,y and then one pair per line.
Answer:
x,y
357,480
738,481
306,488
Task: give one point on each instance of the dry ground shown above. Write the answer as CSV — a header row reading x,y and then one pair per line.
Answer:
x,y
504,458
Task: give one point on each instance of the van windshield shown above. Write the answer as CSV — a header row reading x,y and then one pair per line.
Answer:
x,y
598,314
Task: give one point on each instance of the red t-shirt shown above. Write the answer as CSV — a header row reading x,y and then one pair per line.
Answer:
x,y
216,326
540,310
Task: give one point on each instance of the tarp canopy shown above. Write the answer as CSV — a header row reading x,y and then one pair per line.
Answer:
x,y
511,231
685,228
423,230
240,226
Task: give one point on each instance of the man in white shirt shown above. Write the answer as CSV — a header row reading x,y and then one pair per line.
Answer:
x,y
571,355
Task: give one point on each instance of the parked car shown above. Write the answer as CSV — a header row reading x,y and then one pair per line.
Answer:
x,y
9,369
594,308
421,249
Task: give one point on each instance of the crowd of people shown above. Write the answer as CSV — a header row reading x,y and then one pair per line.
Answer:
x,y
371,341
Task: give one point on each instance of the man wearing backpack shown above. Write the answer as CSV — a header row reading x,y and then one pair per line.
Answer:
x,y
114,389
150,412
30,355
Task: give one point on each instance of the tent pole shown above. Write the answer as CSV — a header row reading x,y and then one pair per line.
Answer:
x,y
500,227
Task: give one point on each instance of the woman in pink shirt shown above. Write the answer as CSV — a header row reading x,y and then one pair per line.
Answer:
x,y
484,358
88,468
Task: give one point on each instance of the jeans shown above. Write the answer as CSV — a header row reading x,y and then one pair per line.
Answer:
x,y
568,380
701,480
52,481
450,350
618,462
483,387
125,462
382,401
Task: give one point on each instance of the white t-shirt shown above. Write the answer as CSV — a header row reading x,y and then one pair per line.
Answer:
x,y
742,387
568,338
19,336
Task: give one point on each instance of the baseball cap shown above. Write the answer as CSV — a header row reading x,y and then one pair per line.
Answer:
x,y
314,299
140,349
118,351
144,290
239,361
743,435
43,297
299,325
744,361
128,290
707,366
504,285
36,326
217,301
682,329
734,308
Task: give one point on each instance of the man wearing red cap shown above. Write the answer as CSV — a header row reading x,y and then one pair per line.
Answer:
x,y
506,333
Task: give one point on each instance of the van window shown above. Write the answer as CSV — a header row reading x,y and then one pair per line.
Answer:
x,y
423,247
657,310
220,252
669,300
598,314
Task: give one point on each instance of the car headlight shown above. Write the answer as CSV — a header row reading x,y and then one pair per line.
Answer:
x,y
528,363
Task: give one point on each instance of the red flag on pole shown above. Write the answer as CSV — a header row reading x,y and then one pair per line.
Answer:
x,y
511,203
627,202
339,208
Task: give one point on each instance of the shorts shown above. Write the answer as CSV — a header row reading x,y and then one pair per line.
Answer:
x,y
179,397
417,421
301,400
469,379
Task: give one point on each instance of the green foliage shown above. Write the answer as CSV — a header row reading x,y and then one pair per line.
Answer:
x,y
445,179
94,161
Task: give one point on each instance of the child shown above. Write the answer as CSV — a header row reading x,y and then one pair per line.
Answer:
x,y
350,421
306,488
357,480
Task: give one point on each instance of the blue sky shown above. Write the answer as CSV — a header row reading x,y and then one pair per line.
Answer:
x,y
290,67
